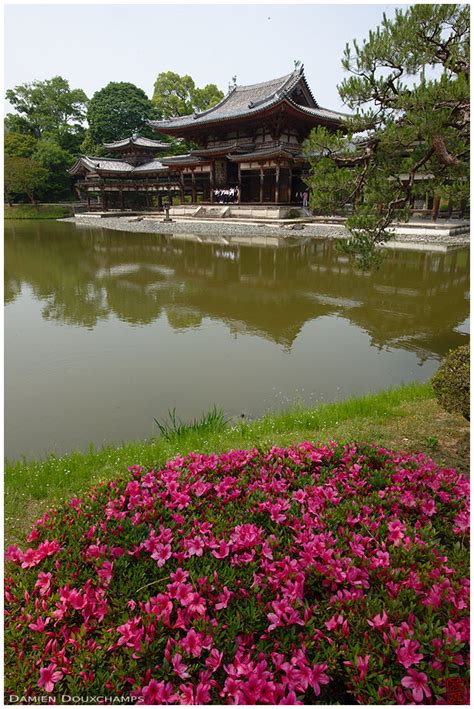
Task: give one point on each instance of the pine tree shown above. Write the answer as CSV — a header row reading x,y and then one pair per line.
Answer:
x,y
408,134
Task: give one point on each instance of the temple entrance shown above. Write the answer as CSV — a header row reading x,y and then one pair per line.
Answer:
x,y
250,181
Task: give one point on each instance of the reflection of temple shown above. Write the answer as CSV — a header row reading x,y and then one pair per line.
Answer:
x,y
415,301
251,140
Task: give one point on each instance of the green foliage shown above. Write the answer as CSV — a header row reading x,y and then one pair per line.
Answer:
x,y
23,177
37,211
212,422
89,147
451,383
49,106
176,95
47,127
19,145
409,91
117,111
56,161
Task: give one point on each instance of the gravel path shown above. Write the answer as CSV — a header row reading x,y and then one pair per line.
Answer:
x,y
229,229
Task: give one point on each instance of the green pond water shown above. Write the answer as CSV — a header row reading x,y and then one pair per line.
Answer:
x,y
106,330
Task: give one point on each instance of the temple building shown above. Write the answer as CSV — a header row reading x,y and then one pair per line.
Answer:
x,y
250,142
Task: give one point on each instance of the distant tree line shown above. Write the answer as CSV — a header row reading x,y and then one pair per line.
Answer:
x,y
53,124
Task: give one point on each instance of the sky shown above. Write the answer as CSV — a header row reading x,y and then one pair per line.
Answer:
x,y
91,45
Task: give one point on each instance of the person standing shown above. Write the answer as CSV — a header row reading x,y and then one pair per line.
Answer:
x,y
305,198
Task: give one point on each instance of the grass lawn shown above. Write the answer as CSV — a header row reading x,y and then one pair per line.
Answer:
x,y
37,211
406,418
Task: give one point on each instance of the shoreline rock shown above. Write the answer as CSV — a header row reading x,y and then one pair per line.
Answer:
x,y
228,229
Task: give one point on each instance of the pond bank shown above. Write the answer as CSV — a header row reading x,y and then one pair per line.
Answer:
x,y
423,234
405,418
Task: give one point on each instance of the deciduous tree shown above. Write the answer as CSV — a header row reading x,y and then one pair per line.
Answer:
x,y
408,90
49,106
176,95
20,145
23,176
117,111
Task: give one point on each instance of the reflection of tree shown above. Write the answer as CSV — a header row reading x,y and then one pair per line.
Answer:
x,y
131,302
84,275
182,318
11,289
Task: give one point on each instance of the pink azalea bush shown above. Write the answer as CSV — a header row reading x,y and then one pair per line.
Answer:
x,y
302,575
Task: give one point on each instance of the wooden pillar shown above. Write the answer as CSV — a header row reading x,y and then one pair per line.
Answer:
x,y
261,184
211,182
290,185
160,202
147,198
88,201
193,187
435,209
121,199
239,183
277,184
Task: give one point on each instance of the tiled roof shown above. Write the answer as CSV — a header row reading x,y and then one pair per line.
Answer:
x,y
111,165
101,164
277,151
152,166
138,140
246,101
181,160
224,148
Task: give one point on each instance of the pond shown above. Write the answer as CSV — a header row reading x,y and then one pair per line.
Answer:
x,y
105,331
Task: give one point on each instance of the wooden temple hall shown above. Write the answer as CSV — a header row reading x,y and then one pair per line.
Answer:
x,y
251,142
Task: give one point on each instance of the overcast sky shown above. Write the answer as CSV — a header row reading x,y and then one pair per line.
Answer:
x,y
91,45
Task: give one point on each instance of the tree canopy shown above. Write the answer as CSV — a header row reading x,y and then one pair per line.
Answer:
x,y
408,91
117,111
49,106
23,176
176,95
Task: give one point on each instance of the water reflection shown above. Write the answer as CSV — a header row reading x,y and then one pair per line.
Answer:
x,y
415,301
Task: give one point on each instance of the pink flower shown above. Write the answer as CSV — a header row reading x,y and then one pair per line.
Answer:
x,y
362,665
319,677
40,625
407,655
214,660
158,693
179,666
43,583
195,604
222,550
192,643
30,558
161,554
378,621
13,553
49,676
105,572
203,695
417,682
194,546
223,598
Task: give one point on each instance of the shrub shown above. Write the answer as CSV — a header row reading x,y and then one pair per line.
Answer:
x,y
302,575
451,382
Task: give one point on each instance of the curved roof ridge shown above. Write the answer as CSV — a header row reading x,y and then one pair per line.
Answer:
x,y
135,139
220,103
282,80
